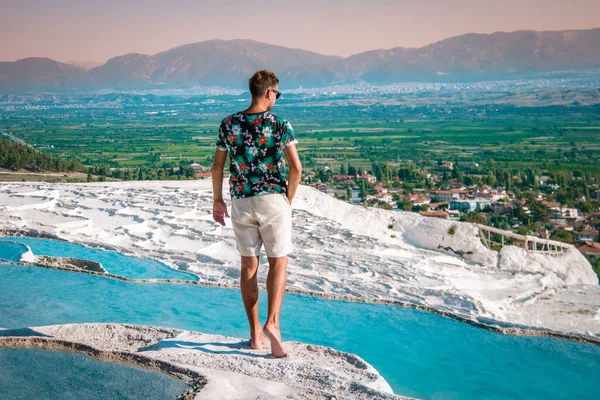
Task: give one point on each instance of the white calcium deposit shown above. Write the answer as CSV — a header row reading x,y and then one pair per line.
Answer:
x,y
339,249
230,367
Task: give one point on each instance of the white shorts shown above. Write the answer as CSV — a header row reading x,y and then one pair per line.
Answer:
x,y
262,219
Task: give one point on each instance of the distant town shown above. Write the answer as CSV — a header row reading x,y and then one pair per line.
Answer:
x,y
534,205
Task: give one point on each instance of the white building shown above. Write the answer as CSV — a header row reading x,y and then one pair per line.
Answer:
x,y
570,212
197,167
448,196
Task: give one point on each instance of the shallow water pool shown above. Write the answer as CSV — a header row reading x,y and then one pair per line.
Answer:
x,y
45,374
420,354
11,251
113,262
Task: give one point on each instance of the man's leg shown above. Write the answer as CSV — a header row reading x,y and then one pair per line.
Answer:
x,y
249,289
276,280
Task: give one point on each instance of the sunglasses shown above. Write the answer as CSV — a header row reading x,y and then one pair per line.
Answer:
x,y
277,94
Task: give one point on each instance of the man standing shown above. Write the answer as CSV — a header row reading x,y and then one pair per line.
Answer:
x,y
259,144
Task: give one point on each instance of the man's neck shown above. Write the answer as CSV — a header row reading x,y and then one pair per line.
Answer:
x,y
256,107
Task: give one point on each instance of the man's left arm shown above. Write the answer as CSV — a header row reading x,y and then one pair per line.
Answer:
x,y
295,170
288,143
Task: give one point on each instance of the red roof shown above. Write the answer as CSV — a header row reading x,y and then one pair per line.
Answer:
x,y
203,175
588,247
437,214
588,232
436,205
343,177
563,226
418,198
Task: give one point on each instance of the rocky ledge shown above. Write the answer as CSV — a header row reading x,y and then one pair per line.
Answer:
x,y
215,367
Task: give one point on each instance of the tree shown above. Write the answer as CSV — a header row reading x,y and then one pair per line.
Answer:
x,y
491,179
445,178
457,174
530,177
379,204
595,262
404,204
16,156
517,212
474,217
324,176
190,173
563,236
378,171
509,182
539,212
586,206
363,189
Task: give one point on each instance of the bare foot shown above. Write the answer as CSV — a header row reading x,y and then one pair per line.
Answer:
x,y
258,341
277,348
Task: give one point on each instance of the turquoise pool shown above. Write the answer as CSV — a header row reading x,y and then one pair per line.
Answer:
x,y
11,251
113,262
420,354
44,374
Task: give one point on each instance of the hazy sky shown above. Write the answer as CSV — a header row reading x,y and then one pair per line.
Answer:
x,y
96,30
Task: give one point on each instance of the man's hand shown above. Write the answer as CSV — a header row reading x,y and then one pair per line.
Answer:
x,y
289,199
220,212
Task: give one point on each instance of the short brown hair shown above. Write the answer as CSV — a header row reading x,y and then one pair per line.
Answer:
x,y
261,81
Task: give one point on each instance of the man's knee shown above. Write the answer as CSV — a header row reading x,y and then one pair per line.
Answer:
x,y
249,265
278,262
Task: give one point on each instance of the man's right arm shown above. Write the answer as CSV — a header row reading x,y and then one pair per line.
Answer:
x,y
219,206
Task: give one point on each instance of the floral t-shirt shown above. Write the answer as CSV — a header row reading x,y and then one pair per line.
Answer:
x,y
255,143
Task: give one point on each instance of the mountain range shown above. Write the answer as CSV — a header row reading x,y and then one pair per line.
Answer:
x,y
469,57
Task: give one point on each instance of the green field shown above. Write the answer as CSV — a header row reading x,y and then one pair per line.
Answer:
x,y
178,131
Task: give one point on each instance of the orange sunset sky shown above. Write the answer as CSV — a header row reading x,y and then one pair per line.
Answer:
x,y
91,30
